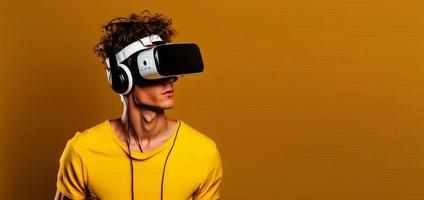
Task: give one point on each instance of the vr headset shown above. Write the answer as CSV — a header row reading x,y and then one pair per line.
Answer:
x,y
152,61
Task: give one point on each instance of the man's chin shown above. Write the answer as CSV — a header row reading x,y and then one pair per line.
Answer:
x,y
156,107
168,107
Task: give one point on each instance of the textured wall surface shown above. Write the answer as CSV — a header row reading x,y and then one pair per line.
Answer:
x,y
306,99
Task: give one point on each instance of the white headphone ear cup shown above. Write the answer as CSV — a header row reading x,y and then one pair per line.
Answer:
x,y
127,73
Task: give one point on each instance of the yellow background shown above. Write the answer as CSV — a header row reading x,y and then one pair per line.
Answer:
x,y
307,99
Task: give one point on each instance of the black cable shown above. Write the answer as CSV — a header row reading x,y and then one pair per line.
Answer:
x,y
129,150
129,126
166,160
132,171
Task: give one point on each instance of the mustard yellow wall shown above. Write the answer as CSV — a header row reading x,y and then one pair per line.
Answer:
x,y
307,99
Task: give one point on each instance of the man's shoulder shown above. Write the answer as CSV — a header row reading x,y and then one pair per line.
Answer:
x,y
92,136
194,139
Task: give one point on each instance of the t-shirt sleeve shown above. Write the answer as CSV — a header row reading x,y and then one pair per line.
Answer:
x,y
210,188
70,178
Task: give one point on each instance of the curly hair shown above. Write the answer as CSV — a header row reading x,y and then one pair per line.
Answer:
x,y
120,32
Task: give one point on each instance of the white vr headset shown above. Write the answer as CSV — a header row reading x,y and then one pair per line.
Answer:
x,y
155,60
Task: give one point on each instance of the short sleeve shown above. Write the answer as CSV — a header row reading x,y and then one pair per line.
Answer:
x,y
210,187
70,178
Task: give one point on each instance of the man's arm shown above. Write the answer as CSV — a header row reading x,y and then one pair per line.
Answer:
x,y
210,187
70,179
60,196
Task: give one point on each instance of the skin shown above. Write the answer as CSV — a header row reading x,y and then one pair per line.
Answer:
x,y
151,126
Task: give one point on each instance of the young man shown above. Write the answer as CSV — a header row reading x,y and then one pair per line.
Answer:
x,y
143,154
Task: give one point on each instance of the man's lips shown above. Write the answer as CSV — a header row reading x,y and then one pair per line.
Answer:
x,y
171,91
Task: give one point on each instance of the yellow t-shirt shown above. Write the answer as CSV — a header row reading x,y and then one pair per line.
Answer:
x,y
95,165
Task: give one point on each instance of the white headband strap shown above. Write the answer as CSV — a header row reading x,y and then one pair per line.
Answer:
x,y
138,45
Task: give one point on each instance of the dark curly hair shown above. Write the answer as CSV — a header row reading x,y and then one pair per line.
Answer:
x,y
120,32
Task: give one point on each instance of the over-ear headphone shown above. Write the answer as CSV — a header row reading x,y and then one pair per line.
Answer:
x,y
119,75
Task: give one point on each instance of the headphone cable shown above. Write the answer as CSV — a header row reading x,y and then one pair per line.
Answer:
x,y
129,149
129,126
166,161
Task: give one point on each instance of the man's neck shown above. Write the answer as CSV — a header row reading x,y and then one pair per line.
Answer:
x,y
151,126
147,124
